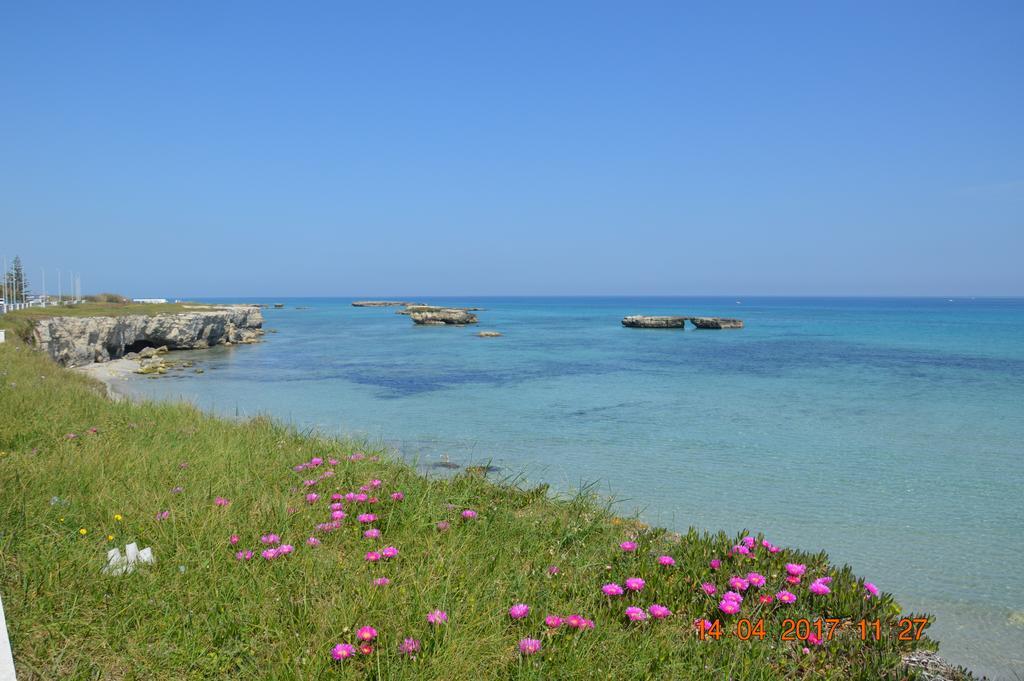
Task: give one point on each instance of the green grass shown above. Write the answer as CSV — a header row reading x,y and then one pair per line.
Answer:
x,y
99,310
200,613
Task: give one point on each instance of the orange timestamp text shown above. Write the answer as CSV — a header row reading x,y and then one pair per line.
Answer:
x,y
816,630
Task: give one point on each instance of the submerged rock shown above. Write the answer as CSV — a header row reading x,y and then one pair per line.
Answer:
x,y
443,316
647,322
716,323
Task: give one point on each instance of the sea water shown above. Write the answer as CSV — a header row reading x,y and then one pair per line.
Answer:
x,y
888,432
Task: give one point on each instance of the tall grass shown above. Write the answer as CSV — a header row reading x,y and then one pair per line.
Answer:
x,y
198,612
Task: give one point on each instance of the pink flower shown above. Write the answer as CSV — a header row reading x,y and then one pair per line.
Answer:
x,y
343,651
552,621
628,546
381,581
519,611
361,497
313,541
233,539
756,579
667,561
612,589
786,597
312,497
729,607
269,554
333,462
366,517
732,596
389,552
529,646
442,525
709,588
336,506
749,542
366,634
702,624
177,490
358,456
285,549
337,515
409,647
372,533
635,614
336,497
309,483
871,589
635,584
163,515
376,483
397,496
469,514
70,436
553,570
372,556
793,579
741,549
765,598
315,461
813,639
715,564
820,586
738,583
270,539
795,569
243,555
221,501
659,612
575,621
437,617
774,549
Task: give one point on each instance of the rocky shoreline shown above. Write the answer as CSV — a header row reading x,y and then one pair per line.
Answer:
x,y
77,341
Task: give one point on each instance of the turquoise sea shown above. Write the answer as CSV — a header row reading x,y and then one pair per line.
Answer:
x,y
888,432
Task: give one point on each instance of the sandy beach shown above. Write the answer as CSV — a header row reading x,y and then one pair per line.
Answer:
x,y
111,374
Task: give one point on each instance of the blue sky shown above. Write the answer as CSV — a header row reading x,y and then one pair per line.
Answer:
x,y
256,148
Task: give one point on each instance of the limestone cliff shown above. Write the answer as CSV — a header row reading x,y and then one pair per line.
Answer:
x,y
74,341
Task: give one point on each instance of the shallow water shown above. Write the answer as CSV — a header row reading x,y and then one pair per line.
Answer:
x,y
887,432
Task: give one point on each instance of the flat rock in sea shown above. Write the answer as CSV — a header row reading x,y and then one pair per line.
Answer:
x,y
379,303
443,316
647,322
489,334
716,323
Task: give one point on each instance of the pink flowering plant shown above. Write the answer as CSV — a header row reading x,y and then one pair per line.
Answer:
x,y
436,578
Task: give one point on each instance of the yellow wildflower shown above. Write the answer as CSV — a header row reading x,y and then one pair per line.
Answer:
x,y
117,517
83,531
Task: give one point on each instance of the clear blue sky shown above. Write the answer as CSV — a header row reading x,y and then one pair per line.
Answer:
x,y
430,148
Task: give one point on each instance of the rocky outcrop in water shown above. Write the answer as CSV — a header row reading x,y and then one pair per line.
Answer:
x,y
489,334
74,341
443,316
380,303
645,322
716,323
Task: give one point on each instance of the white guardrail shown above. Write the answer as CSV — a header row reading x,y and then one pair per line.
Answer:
x,y
6,658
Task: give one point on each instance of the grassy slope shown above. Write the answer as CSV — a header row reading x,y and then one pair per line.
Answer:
x,y
100,310
199,613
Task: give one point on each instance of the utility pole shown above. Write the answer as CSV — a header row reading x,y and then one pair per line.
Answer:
x,y
60,294
43,271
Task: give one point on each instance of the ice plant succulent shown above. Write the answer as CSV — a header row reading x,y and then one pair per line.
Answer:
x,y
343,651
529,646
612,589
437,617
635,584
519,611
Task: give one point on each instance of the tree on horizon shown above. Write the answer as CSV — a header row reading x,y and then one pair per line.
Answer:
x,y
17,282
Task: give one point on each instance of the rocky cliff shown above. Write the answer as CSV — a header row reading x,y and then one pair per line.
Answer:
x,y
74,341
